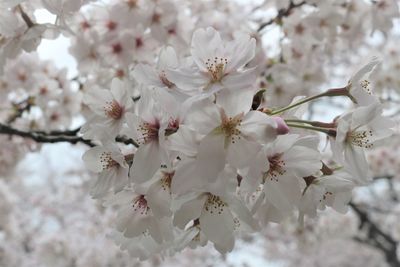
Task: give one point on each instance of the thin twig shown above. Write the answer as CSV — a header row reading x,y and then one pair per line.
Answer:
x,y
44,138
376,237
69,136
284,12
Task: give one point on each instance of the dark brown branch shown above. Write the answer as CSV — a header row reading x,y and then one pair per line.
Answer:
x,y
66,132
284,12
376,237
44,138
125,140
69,136
19,108
25,17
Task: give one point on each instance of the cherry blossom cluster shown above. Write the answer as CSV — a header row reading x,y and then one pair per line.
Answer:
x,y
36,95
20,31
205,164
312,41
198,128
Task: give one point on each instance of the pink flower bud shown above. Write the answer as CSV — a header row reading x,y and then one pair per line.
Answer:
x,y
281,128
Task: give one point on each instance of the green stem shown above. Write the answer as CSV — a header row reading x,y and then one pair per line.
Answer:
x,y
303,101
330,93
313,123
298,121
330,132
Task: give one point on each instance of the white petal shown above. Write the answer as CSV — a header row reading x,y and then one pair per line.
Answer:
x,y
234,103
240,153
185,179
365,70
284,193
189,81
357,165
244,49
259,126
190,210
167,58
205,45
203,117
158,199
92,158
240,80
146,161
211,157
218,225
302,161
145,74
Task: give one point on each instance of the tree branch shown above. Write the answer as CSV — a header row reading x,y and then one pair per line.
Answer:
x,y
69,136
376,237
41,137
284,12
19,108
25,17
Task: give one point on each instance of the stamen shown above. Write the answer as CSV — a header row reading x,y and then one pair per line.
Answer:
x,y
360,138
165,81
365,85
107,162
166,180
326,195
276,168
214,204
216,68
229,127
140,205
113,110
149,132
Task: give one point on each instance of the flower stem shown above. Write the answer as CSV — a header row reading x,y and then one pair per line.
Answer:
x,y
330,93
313,123
330,132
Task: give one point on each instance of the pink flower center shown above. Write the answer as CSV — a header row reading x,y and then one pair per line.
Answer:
x,y
140,205
113,110
276,167
107,162
149,132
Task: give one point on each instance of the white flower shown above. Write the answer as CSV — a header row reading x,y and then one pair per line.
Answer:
x,y
216,211
330,190
159,193
111,165
157,77
217,64
148,130
359,86
357,130
135,216
232,133
280,166
111,105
